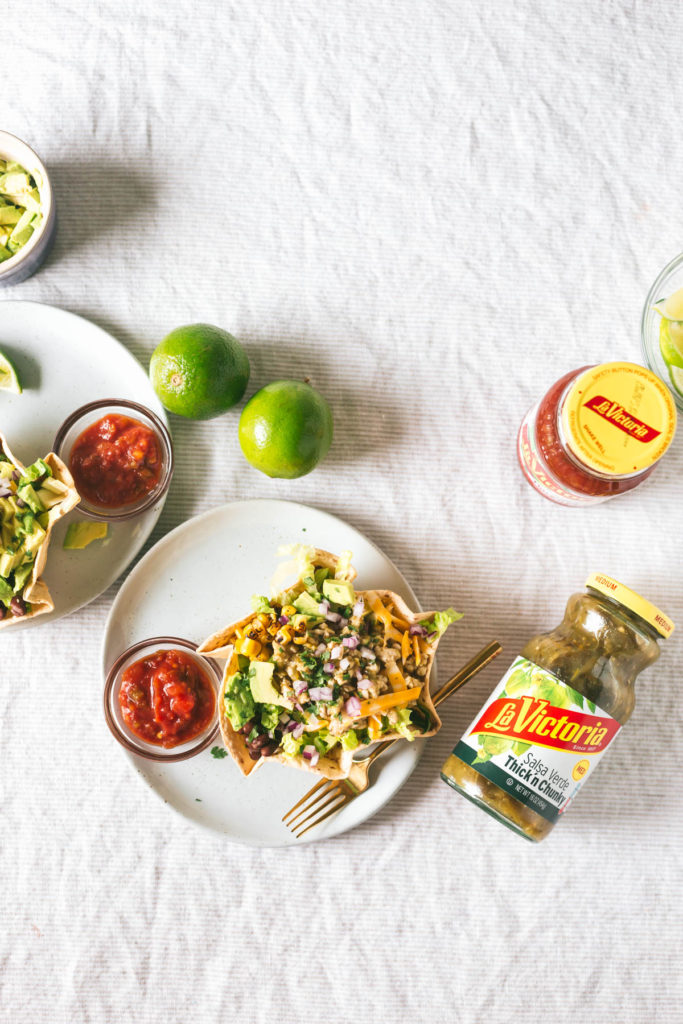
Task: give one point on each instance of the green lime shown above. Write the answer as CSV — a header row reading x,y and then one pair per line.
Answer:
x,y
671,342
199,371
285,429
9,378
676,374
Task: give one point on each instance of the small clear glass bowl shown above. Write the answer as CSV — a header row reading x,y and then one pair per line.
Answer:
x,y
670,280
74,425
112,709
31,256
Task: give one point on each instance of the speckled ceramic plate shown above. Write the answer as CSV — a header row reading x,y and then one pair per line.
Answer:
x,y
191,583
64,361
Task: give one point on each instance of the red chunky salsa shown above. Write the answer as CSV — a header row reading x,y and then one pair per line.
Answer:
x,y
166,698
116,461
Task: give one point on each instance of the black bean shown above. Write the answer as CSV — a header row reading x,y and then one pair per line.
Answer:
x,y
17,606
3,612
248,726
254,754
260,741
269,749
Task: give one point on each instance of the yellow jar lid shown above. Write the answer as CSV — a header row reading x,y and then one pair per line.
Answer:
x,y
618,418
624,595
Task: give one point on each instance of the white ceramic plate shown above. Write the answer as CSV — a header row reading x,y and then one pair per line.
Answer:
x,y
200,577
63,362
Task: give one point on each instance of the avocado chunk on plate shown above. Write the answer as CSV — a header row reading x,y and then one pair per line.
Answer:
x,y
82,533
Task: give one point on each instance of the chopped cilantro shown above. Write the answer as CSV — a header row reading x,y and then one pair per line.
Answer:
x,y
219,752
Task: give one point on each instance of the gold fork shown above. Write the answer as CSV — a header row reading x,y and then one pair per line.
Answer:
x,y
337,793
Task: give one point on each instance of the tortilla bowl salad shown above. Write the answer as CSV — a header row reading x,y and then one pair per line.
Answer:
x,y
32,499
320,670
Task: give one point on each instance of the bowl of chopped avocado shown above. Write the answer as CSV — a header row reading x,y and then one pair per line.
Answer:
x,y
28,218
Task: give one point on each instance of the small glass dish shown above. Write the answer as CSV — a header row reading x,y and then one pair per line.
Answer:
x,y
74,425
33,254
669,281
112,709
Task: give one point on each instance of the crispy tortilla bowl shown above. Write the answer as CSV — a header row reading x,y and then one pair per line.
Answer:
x,y
340,680
35,592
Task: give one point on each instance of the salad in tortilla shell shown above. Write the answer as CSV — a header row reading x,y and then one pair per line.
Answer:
x,y
321,670
32,499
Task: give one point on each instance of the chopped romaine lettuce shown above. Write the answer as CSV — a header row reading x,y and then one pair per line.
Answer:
x,y
260,604
349,740
441,621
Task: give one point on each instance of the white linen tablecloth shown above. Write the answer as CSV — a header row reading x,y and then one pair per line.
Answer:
x,y
433,210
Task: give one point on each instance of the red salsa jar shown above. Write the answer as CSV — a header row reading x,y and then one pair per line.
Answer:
x,y
598,432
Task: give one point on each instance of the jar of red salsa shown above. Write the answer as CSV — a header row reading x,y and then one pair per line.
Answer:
x,y
598,432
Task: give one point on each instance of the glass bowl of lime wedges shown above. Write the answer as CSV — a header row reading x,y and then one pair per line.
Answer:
x,y
662,327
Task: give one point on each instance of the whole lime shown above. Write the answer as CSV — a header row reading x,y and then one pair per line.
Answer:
x,y
199,371
285,429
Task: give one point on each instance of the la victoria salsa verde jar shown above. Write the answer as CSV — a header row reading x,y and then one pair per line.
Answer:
x,y
598,432
557,709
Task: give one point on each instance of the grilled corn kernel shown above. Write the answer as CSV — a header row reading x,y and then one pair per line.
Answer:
x,y
285,635
300,639
274,629
263,619
250,647
289,609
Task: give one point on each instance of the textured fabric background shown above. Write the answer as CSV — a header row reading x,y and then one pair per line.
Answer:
x,y
433,210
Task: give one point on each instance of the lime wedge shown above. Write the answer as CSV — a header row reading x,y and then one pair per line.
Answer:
x,y
9,378
676,375
671,342
671,308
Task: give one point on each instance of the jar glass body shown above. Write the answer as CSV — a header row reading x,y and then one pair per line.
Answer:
x,y
598,649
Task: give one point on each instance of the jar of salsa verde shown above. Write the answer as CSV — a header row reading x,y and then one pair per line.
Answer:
x,y
598,432
557,709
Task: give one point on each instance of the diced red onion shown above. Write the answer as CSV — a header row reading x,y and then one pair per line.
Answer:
x,y
298,730
291,726
364,684
351,642
359,674
333,617
344,664
320,693
320,649
16,475
300,687
343,622
352,707
358,608
328,667
369,655
324,607
21,503
283,620
5,492
336,651
298,706
417,630
311,754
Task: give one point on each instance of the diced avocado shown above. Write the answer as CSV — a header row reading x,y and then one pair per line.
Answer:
x,y
32,541
261,685
5,254
48,497
307,605
82,533
10,215
43,519
6,592
21,575
21,232
339,591
27,494
9,560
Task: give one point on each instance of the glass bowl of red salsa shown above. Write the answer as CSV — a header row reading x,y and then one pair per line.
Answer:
x,y
161,698
120,455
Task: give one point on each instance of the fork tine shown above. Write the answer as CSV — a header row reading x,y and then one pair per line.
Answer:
x,y
305,797
331,794
345,799
328,786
